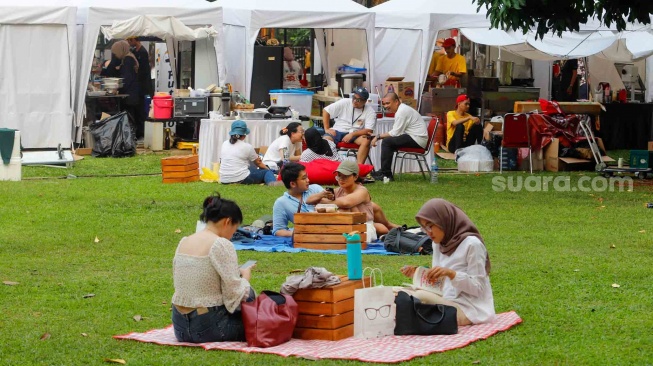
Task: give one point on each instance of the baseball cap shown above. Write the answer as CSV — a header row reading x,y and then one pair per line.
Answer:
x,y
449,42
347,167
239,127
461,98
361,92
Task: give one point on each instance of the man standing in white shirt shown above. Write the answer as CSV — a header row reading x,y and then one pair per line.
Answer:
x,y
354,122
408,130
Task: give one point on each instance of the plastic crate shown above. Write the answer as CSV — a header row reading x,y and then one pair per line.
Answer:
x,y
639,159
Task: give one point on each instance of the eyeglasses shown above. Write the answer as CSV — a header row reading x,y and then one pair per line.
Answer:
x,y
340,176
371,313
427,228
358,99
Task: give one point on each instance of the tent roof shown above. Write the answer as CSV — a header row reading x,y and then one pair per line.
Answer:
x,y
26,13
340,6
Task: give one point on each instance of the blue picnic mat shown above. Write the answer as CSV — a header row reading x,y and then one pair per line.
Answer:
x,y
271,244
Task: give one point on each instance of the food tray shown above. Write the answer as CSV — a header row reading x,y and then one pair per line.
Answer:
x,y
100,93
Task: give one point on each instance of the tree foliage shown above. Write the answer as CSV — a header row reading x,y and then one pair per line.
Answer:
x,y
563,15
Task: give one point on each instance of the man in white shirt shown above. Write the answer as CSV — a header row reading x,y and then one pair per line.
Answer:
x,y
408,130
354,122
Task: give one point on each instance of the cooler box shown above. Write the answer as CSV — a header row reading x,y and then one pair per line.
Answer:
x,y
13,170
298,99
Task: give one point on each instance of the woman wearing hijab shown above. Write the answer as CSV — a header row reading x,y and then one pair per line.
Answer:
x,y
130,86
318,148
460,259
291,70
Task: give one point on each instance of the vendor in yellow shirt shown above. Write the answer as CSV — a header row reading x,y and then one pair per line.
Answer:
x,y
463,129
453,65
435,57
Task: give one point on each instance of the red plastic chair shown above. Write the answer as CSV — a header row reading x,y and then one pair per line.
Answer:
x,y
351,150
516,134
418,154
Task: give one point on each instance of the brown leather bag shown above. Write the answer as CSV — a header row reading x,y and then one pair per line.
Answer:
x,y
270,319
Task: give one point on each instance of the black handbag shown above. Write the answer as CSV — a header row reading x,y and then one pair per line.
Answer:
x,y
416,318
397,240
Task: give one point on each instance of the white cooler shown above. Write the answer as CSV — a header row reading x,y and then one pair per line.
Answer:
x,y
298,99
13,171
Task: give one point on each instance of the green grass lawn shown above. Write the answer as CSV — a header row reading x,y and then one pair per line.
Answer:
x,y
555,257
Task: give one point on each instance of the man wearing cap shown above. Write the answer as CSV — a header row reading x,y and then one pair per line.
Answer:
x,y
351,196
452,64
354,121
408,130
463,129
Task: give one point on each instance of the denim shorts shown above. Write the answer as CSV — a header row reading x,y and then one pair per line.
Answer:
x,y
339,136
218,325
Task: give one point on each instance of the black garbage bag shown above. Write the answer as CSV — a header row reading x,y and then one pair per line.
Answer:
x,y
113,137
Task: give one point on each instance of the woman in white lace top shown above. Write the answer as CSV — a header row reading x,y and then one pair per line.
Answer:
x,y
209,286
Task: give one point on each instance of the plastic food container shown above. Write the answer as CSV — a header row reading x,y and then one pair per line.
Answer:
x,y
298,99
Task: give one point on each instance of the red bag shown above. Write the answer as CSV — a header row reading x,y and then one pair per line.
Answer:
x,y
270,319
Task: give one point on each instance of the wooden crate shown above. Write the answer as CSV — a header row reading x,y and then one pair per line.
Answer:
x,y
325,321
327,313
336,218
343,290
180,169
323,231
180,160
324,334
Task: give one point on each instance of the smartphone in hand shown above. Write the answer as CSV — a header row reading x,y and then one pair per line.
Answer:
x,y
330,190
248,264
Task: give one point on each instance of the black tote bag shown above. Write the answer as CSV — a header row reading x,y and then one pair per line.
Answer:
x,y
416,318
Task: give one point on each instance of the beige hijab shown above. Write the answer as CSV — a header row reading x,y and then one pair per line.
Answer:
x,y
121,50
454,222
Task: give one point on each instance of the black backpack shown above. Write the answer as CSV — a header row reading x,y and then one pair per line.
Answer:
x,y
397,240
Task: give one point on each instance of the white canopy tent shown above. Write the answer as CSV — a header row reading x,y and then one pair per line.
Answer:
x,y
160,26
348,25
406,31
603,48
98,13
37,72
409,28
617,47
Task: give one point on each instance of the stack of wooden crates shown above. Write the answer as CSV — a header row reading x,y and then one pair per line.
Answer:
x,y
180,169
327,313
323,231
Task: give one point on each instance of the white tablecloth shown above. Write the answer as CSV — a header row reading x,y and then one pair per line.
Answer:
x,y
262,132
214,132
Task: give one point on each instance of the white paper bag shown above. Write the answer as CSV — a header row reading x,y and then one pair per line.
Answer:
x,y
374,309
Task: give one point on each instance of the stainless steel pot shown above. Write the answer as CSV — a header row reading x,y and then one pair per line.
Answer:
x,y
215,102
220,103
349,82
503,71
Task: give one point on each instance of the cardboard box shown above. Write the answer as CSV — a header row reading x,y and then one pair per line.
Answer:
x,y
404,89
410,102
650,146
554,163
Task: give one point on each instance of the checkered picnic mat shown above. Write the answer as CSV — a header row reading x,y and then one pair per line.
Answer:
x,y
390,349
